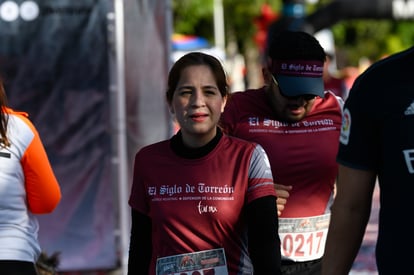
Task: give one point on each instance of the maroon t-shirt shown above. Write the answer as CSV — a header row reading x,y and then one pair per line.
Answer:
x,y
301,154
197,204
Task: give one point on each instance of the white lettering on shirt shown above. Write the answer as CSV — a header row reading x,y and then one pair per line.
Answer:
x,y
409,160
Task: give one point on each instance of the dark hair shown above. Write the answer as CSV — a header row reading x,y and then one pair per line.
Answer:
x,y
4,141
193,59
295,45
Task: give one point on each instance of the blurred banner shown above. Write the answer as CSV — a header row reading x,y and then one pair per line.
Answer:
x,y
55,60
55,67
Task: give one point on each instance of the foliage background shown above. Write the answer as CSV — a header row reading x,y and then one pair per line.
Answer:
x,y
354,38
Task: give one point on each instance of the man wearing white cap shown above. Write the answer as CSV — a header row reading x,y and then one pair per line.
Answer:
x,y
298,125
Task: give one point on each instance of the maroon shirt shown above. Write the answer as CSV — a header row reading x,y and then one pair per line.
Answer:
x,y
301,154
197,204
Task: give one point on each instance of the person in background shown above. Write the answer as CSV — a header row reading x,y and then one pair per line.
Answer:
x,y
202,201
376,142
334,83
27,187
298,125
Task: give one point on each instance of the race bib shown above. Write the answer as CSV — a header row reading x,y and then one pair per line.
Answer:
x,y
207,262
303,239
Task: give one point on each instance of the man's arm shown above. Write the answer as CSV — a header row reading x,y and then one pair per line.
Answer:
x,y
350,214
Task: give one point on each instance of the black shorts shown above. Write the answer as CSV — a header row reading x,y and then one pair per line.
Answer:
x,y
302,268
11,267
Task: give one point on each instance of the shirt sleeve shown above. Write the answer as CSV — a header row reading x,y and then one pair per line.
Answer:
x,y
42,188
264,242
359,146
140,247
260,175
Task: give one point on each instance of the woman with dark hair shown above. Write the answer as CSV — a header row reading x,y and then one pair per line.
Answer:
x,y
202,201
27,187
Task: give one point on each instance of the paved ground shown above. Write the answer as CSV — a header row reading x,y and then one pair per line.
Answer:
x,y
365,261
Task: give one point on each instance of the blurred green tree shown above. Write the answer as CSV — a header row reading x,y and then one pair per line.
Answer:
x,y
354,38
193,17
196,17
372,39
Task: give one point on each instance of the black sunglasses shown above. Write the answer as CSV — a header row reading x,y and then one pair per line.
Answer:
x,y
306,97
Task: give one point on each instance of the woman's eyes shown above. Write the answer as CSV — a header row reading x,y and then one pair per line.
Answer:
x,y
186,92
210,92
206,92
